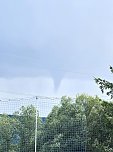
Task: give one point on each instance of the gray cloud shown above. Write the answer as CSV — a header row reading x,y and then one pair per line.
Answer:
x,y
53,38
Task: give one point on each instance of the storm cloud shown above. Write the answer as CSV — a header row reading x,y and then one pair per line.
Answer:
x,y
55,39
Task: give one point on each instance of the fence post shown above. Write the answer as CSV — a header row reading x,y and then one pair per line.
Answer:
x,y
36,126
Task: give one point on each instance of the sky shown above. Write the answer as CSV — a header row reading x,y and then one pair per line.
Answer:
x,y
55,47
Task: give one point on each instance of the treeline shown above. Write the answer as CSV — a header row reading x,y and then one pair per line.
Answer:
x,y
84,124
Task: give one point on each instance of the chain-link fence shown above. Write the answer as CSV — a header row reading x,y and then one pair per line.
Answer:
x,y
42,124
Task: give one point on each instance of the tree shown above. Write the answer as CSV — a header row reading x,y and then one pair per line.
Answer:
x,y
105,85
26,128
63,130
104,138
83,124
91,107
71,126
17,131
8,130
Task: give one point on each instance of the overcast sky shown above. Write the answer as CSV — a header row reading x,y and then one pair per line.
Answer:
x,y
55,47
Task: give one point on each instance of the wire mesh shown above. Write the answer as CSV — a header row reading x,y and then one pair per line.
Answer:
x,y
42,124
17,125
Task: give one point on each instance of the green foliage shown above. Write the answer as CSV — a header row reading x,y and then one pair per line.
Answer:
x,y
8,129
17,132
67,125
105,85
81,124
26,128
